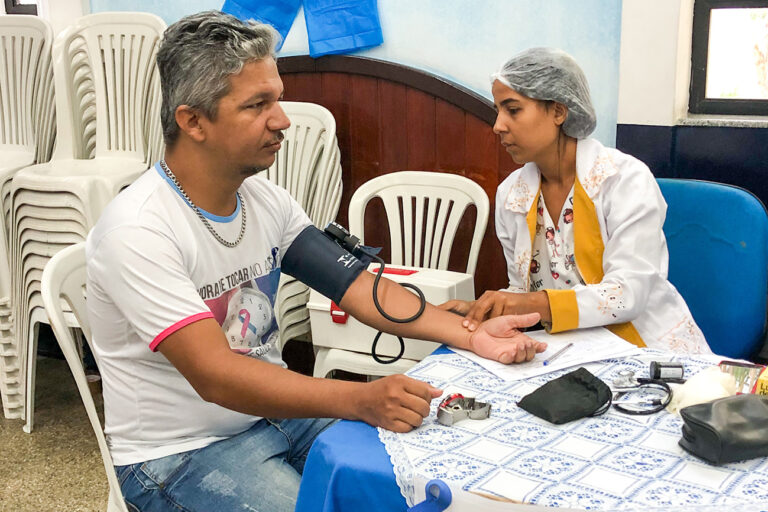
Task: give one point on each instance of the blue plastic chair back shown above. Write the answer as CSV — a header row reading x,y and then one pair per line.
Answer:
x,y
717,237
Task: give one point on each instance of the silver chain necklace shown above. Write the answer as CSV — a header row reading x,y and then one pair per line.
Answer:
x,y
200,215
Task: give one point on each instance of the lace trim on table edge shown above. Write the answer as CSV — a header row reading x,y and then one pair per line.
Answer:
x,y
397,454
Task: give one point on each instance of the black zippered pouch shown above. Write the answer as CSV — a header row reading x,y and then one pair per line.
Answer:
x,y
575,395
728,429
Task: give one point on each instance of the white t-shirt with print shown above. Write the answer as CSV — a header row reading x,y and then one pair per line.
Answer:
x,y
153,268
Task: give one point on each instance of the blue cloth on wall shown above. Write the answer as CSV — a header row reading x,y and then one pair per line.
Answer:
x,y
333,26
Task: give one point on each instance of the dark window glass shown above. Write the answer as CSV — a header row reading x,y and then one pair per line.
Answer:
x,y
21,7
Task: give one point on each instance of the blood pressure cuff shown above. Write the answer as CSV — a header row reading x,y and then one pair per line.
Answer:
x,y
572,396
317,261
728,429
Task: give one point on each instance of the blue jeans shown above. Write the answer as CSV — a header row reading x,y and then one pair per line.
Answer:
x,y
256,470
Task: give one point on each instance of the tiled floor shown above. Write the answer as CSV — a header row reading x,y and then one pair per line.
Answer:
x,y
57,467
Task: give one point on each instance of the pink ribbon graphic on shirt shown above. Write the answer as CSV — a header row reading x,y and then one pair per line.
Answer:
x,y
245,316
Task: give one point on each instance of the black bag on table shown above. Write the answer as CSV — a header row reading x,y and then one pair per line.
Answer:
x,y
569,397
728,429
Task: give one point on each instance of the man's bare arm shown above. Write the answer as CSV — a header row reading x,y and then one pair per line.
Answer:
x,y
201,353
498,339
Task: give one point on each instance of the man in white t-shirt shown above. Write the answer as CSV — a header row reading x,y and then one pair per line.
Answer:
x,y
183,269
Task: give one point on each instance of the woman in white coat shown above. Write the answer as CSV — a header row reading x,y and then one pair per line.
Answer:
x,y
580,224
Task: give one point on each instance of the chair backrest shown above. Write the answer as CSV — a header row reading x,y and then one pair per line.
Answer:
x,y
104,68
717,237
423,206
83,100
26,86
307,162
64,280
153,130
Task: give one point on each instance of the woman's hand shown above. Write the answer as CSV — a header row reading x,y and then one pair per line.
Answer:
x,y
501,340
491,304
497,303
460,307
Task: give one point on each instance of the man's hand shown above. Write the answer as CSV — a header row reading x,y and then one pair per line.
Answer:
x,y
397,402
500,340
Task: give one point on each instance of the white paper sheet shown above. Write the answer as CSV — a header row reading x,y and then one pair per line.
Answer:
x,y
589,345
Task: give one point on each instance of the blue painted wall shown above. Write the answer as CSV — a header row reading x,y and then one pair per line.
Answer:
x,y
169,10
465,41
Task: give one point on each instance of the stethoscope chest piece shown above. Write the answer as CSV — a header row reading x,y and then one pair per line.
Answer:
x,y
625,381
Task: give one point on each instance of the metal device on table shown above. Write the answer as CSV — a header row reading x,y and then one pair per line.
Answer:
x,y
333,328
641,396
457,407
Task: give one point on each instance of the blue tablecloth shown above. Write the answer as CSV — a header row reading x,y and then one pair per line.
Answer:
x,y
348,469
358,477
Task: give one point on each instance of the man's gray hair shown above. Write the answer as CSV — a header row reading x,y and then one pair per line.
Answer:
x,y
197,55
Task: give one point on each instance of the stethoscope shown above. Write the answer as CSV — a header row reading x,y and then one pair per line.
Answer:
x,y
638,390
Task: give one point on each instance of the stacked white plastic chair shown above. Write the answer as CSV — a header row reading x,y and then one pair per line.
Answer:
x,y
63,282
309,166
420,206
105,77
83,101
26,137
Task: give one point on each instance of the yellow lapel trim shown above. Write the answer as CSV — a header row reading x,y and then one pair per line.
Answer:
x,y
586,234
530,218
588,251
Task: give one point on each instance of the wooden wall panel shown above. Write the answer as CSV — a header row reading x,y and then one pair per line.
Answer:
x,y
365,132
390,118
482,155
335,97
304,85
366,128
421,122
450,121
482,149
393,142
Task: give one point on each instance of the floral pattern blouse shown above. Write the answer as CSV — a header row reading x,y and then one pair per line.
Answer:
x,y
552,262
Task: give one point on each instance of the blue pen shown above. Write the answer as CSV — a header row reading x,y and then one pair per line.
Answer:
x,y
556,354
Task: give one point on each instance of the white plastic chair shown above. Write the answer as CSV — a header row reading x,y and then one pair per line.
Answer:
x,y
26,137
306,154
26,91
440,198
83,102
431,205
64,281
106,76
308,166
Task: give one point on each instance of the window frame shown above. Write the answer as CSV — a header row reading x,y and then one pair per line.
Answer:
x,y
13,7
698,102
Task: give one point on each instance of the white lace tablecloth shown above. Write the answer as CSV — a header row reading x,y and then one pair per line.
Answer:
x,y
610,462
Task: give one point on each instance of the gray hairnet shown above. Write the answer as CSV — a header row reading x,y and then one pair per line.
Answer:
x,y
552,74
